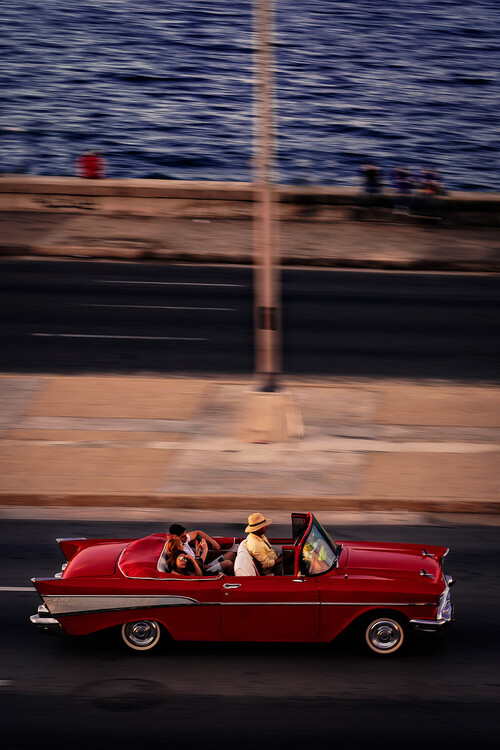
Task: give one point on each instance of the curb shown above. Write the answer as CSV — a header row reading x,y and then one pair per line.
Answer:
x,y
243,502
420,265
236,517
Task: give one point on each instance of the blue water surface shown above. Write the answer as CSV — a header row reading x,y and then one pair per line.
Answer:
x,y
164,88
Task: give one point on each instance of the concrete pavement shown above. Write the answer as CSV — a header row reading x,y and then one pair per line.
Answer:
x,y
161,442
386,241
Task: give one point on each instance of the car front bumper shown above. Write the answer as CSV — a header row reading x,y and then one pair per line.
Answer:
x,y
444,616
431,627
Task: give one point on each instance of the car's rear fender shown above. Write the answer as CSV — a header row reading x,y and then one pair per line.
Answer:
x,y
70,546
85,624
55,597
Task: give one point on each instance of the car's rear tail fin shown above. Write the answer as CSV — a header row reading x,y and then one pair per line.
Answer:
x,y
71,546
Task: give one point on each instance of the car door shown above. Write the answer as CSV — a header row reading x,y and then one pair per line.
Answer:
x,y
194,612
270,608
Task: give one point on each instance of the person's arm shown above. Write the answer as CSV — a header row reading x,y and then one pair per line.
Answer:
x,y
215,545
201,551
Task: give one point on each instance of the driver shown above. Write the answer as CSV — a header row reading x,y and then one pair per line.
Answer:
x,y
260,547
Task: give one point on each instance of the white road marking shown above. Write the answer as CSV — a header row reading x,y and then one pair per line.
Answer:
x,y
17,588
164,307
105,336
167,283
5,683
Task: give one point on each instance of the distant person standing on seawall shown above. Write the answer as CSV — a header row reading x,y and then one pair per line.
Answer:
x,y
371,185
403,186
430,190
91,165
372,178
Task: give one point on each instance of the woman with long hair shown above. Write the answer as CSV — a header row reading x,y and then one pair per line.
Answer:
x,y
181,564
173,544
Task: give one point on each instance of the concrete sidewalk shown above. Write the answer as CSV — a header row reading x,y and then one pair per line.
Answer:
x,y
164,442
402,242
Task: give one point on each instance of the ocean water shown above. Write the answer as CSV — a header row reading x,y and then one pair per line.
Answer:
x,y
164,88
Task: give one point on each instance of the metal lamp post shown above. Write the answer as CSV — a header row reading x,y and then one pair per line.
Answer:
x,y
270,413
266,256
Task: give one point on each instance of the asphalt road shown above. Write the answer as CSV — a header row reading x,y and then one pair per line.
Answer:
x,y
92,317
86,692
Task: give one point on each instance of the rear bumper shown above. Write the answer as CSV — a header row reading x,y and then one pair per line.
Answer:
x,y
47,624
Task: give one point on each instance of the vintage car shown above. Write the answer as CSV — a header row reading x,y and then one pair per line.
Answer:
x,y
383,592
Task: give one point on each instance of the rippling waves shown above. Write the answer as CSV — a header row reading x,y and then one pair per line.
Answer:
x,y
164,89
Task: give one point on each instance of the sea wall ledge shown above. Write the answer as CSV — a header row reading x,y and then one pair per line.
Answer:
x,y
207,199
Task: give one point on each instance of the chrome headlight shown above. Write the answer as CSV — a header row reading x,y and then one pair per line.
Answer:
x,y
445,609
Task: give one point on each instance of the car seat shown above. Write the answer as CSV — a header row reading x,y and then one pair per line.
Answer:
x,y
244,565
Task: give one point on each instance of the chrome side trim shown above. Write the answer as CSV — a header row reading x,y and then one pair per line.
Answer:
x,y
329,604
269,604
71,539
72,604
378,604
83,604
181,579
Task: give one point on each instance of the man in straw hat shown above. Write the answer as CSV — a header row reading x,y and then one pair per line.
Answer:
x,y
259,545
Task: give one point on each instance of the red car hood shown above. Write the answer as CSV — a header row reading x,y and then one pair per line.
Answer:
x,y
385,560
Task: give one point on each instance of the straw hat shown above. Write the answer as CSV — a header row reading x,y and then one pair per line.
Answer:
x,y
256,521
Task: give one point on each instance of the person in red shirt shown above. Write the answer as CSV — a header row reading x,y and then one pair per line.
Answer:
x,y
91,165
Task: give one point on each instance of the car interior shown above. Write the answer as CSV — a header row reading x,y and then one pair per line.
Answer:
x,y
145,558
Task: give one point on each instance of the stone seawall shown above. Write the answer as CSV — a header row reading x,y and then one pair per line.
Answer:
x,y
230,200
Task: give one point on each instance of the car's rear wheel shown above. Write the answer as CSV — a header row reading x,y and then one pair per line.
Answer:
x,y
384,634
141,635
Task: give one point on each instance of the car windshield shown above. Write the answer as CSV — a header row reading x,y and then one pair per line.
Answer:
x,y
319,552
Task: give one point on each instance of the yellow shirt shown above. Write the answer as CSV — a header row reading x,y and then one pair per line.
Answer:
x,y
260,548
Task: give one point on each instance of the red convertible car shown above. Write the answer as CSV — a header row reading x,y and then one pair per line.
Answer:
x,y
385,591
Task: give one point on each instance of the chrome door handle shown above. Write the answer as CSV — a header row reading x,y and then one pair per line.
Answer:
x,y
231,585
299,580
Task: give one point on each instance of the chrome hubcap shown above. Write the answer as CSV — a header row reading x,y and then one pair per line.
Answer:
x,y
385,634
141,634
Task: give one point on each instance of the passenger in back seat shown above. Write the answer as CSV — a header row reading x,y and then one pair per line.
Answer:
x,y
181,564
224,561
173,544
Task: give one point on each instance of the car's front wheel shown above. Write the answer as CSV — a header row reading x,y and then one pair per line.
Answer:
x,y
384,634
141,635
